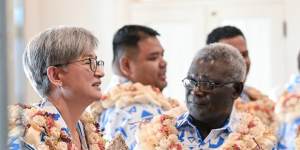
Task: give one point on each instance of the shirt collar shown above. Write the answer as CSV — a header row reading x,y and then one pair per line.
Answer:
x,y
47,106
183,121
244,96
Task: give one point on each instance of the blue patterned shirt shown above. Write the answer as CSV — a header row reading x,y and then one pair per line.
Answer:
x,y
287,135
125,121
294,85
244,97
287,131
191,138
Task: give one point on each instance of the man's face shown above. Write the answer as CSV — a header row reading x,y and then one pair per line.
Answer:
x,y
149,66
216,104
240,43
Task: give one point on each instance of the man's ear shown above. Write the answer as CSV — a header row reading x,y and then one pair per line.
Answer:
x,y
238,87
125,66
54,76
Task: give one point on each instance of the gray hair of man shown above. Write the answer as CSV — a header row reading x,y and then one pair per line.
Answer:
x,y
54,46
219,52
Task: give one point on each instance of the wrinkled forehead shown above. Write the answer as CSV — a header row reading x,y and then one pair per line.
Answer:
x,y
215,70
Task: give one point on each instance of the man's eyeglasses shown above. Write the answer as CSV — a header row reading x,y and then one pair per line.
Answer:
x,y
205,86
93,62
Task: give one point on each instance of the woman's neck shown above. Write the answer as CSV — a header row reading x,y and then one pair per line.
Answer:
x,y
70,111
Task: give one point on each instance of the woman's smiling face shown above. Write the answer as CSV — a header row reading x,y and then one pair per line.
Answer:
x,y
79,78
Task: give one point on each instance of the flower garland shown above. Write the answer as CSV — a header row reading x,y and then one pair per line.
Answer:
x,y
41,129
287,110
130,93
94,136
159,134
254,126
288,107
249,131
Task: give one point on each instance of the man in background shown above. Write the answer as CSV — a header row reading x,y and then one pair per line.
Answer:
x,y
288,131
137,57
233,36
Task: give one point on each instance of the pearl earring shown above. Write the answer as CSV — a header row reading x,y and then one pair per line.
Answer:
x,y
60,84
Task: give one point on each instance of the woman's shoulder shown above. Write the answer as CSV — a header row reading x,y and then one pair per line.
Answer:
x,y
36,127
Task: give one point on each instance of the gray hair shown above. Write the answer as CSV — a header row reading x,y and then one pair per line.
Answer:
x,y
54,46
234,61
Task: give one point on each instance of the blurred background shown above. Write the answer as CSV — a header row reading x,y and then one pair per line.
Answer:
x,y
271,27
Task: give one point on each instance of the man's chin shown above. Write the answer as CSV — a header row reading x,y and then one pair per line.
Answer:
x,y
163,85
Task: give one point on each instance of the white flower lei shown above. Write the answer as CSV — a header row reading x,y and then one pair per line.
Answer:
x,y
288,107
249,131
130,93
287,110
31,123
159,134
254,126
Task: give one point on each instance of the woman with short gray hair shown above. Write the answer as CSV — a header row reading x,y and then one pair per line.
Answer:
x,y
63,68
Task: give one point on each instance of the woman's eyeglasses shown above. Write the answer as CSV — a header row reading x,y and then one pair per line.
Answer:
x,y
93,62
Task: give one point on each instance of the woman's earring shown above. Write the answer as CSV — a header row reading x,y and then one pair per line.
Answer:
x,y
60,84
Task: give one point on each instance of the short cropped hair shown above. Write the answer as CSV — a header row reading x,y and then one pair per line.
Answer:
x,y
125,41
223,32
54,46
219,52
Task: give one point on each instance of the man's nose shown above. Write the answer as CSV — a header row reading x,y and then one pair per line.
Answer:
x,y
163,63
198,92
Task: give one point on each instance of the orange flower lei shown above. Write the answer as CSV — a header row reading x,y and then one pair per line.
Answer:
x,y
160,133
41,129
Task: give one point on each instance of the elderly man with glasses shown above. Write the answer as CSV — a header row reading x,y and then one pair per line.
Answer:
x,y
214,80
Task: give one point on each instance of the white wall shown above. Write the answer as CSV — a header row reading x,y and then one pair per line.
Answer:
x,y
103,17
292,14
261,21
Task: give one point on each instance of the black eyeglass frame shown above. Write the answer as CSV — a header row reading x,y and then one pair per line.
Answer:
x,y
93,69
210,84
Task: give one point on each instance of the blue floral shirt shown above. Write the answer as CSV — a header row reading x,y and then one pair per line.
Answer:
x,y
287,131
125,121
287,135
244,96
191,138
294,84
16,142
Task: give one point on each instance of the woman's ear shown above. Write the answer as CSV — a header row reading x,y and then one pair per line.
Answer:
x,y
125,66
54,76
238,87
